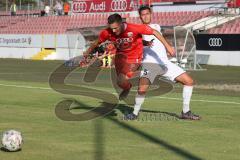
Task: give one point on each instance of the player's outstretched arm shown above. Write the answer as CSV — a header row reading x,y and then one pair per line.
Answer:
x,y
78,59
95,44
169,48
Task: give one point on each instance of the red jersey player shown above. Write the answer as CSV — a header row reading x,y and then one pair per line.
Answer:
x,y
128,41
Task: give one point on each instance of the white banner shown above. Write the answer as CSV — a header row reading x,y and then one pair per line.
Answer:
x,y
39,41
10,40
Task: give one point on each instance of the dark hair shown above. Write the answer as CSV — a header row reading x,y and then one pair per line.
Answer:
x,y
114,18
144,7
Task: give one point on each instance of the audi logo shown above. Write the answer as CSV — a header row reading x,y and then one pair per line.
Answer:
x,y
215,42
80,7
119,5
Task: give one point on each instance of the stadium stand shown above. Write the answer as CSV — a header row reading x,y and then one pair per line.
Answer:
x,y
59,24
22,24
21,12
51,24
232,27
175,18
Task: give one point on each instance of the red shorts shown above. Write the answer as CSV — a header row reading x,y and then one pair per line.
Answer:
x,y
125,66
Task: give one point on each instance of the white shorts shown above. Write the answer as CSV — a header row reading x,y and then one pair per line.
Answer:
x,y
152,70
173,71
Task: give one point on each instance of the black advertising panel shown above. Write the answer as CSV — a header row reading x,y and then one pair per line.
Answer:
x,y
218,42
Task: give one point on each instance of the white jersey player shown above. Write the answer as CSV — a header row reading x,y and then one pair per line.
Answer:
x,y
155,62
157,54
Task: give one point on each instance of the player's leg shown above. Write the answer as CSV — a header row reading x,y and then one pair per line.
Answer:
x,y
120,67
139,99
127,71
185,79
148,74
187,82
123,70
177,74
142,90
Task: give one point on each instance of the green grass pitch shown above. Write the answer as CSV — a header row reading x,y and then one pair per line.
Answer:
x,y
27,104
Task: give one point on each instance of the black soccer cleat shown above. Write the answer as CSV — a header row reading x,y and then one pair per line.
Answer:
x,y
190,116
130,117
124,94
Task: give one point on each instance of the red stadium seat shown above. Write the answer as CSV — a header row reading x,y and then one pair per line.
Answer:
x,y
231,27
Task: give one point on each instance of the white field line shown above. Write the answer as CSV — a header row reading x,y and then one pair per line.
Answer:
x,y
24,86
177,99
200,100
21,73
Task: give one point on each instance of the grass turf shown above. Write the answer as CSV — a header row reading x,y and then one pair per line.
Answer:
x,y
156,135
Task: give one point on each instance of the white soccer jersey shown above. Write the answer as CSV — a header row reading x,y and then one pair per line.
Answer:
x,y
156,53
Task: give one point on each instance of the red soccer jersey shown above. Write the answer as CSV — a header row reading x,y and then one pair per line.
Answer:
x,y
129,42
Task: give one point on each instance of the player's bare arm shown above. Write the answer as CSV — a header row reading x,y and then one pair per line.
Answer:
x,y
159,36
79,59
95,44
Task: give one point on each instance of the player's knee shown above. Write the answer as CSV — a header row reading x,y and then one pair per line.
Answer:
x,y
142,92
189,82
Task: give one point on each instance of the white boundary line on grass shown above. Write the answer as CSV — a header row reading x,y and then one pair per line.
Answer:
x,y
200,100
20,73
23,86
178,99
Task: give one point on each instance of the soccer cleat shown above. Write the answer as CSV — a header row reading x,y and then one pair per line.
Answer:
x,y
189,115
130,116
124,94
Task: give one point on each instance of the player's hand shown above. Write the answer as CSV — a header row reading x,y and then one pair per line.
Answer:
x,y
171,51
85,54
150,43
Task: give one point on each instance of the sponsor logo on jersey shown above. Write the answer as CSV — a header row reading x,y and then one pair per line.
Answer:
x,y
130,34
124,43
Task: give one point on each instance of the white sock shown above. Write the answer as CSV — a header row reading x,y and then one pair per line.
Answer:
x,y
139,99
187,94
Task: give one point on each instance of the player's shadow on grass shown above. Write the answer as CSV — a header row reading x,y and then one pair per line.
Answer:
x,y
123,108
166,113
79,105
126,109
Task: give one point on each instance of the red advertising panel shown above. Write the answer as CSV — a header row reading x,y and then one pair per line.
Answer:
x,y
91,6
234,4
